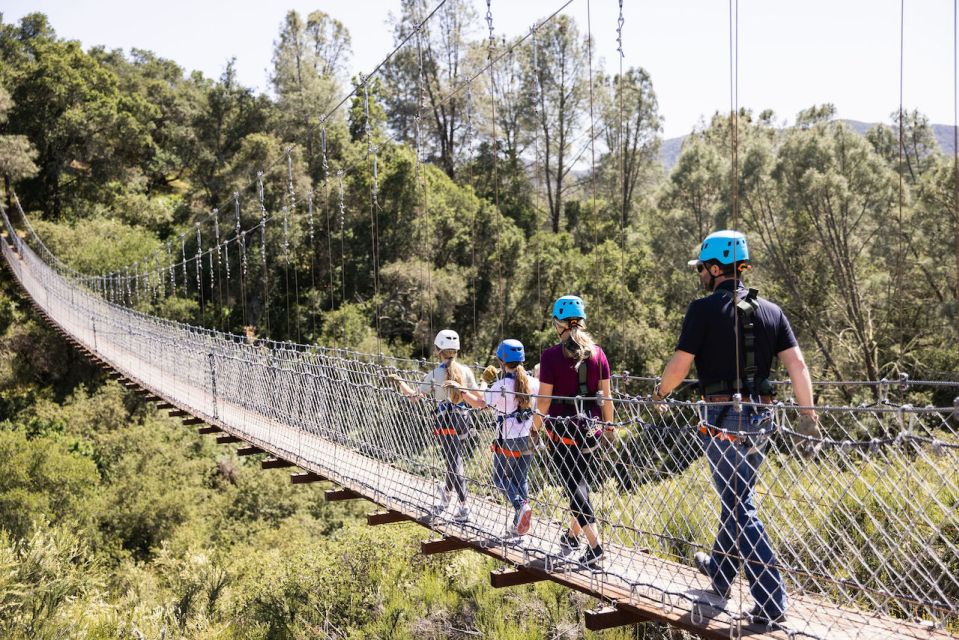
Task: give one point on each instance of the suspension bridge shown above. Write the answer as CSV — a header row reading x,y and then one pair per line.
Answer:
x,y
866,529
864,518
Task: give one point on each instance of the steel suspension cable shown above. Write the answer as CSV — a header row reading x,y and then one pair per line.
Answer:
x,y
955,145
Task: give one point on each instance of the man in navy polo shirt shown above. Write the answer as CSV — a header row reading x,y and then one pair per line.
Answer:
x,y
733,336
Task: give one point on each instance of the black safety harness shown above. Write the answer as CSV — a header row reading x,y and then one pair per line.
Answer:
x,y
748,384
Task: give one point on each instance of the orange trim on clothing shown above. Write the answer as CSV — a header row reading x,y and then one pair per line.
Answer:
x,y
716,433
561,439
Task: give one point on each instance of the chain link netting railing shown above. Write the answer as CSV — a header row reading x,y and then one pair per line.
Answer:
x,y
863,519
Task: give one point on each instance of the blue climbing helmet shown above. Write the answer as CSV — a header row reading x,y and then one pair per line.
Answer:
x,y
724,247
511,351
569,307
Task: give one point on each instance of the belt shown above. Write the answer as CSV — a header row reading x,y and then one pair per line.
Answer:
x,y
561,439
719,435
509,453
763,399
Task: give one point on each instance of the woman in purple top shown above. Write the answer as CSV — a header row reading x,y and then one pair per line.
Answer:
x,y
574,367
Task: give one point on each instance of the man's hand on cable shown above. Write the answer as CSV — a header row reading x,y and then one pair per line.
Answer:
x,y
660,399
808,426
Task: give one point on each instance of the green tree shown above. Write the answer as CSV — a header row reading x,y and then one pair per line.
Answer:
x,y
308,61
560,84
228,113
419,81
86,131
631,124
17,154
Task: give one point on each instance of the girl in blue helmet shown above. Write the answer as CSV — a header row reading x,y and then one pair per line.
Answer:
x,y
452,424
575,367
509,397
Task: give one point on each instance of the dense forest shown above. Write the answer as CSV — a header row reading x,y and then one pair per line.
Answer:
x,y
441,193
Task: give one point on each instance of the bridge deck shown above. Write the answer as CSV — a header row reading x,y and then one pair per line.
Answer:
x,y
630,578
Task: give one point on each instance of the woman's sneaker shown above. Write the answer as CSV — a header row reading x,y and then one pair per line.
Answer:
x,y
592,556
442,500
523,518
462,514
567,542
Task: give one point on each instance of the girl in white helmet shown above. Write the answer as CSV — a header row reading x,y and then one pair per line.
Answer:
x,y
452,424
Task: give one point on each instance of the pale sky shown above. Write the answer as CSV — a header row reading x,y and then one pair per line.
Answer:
x,y
791,54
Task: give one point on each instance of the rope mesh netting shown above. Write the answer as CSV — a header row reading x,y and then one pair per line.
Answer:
x,y
863,520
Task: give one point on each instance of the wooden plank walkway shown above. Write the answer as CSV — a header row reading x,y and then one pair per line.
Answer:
x,y
643,585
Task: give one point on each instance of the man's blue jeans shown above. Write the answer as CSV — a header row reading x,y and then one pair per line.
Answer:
x,y
742,538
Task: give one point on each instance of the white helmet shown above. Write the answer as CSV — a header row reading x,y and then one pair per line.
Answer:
x,y
447,339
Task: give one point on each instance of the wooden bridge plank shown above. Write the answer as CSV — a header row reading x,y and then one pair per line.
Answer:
x,y
275,463
339,495
610,617
305,478
443,545
386,517
514,576
248,451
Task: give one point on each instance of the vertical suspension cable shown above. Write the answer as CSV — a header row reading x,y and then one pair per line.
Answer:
x,y
241,257
329,228
212,277
158,279
900,262
342,218
425,238
469,151
624,194
266,276
491,47
291,193
186,276
226,294
536,153
243,275
199,267
955,143
169,257
285,213
734,179
592,119
219,267
374,223
135,298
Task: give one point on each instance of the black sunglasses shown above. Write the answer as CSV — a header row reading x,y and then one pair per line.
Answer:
x,y
700,267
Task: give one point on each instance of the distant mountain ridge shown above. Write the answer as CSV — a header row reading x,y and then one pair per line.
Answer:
x,y
672,147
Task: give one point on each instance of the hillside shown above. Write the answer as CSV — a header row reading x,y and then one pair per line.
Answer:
x,y
672,147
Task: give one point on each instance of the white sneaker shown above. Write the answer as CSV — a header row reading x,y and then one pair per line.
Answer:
x,y
462,514
511,531
523,518
442,500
